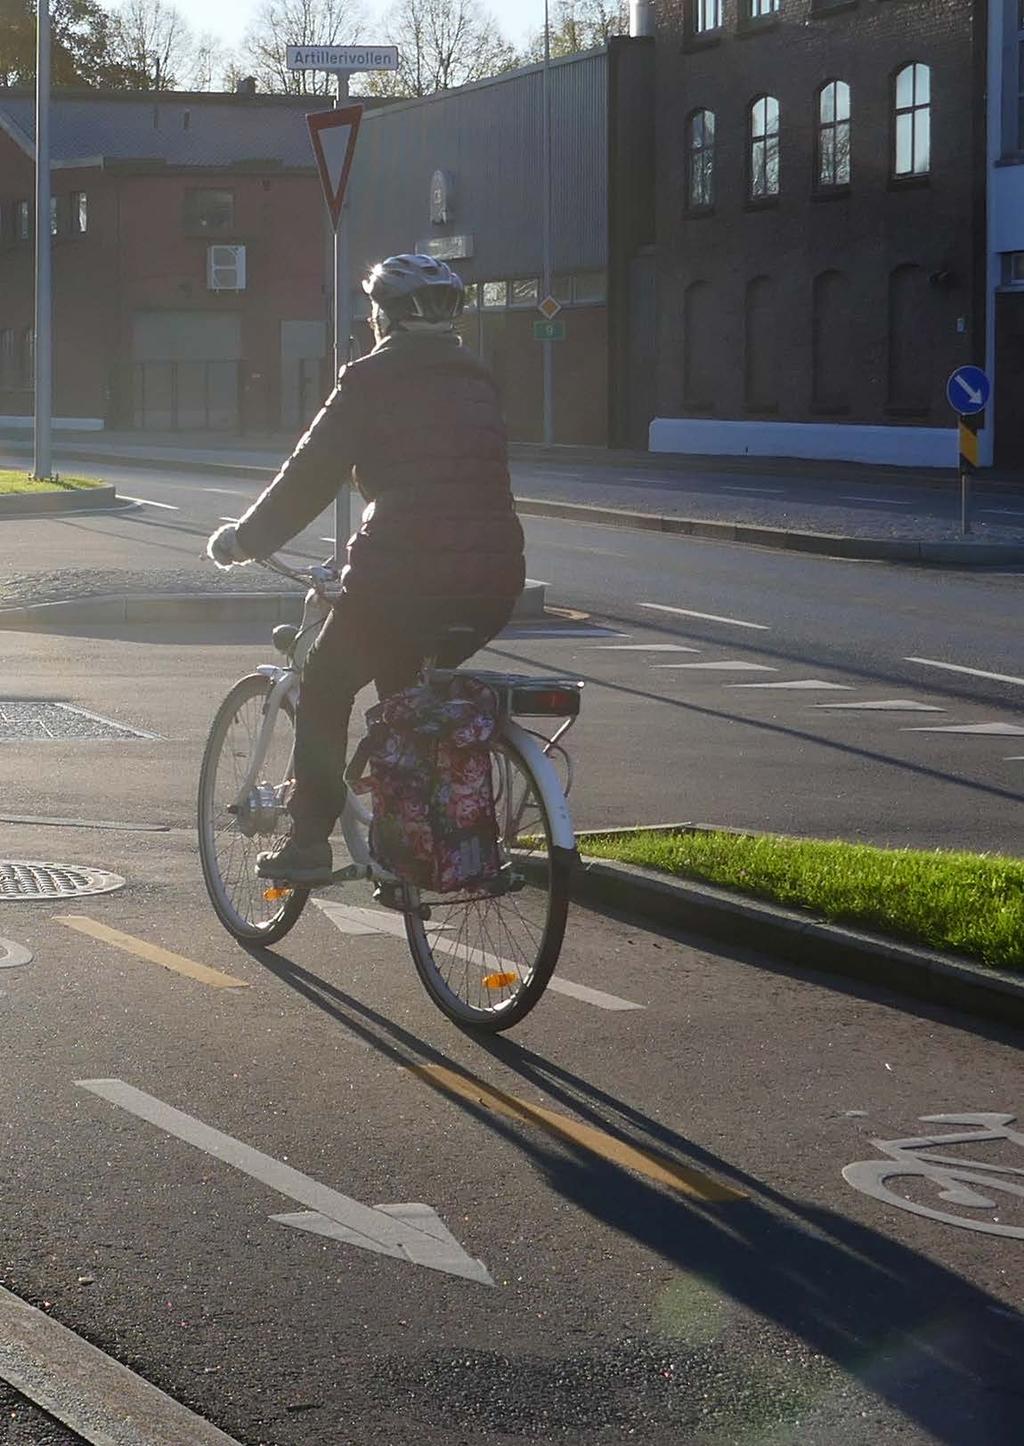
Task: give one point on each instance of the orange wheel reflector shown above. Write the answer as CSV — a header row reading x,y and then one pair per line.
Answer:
x,y
500,981
273,895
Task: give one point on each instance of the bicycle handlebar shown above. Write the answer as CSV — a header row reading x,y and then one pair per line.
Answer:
x,y
319,575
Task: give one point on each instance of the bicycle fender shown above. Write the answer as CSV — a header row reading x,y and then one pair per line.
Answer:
x,y
548,782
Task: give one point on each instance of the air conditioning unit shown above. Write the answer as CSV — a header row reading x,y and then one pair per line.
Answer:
x,y
225,268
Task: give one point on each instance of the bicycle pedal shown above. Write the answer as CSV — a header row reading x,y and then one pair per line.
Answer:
x,y
350,874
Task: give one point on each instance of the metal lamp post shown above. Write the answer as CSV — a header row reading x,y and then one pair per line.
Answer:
x,y
549,388
43,465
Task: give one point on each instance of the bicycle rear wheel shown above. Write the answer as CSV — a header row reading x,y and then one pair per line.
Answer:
x,y
485,959
231,833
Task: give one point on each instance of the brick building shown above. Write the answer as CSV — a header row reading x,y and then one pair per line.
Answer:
x,y
821,225
189,260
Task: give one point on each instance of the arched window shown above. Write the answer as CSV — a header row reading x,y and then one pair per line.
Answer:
x,y
834,134
910,359
764,148
912,140
700,159
700,328
830,342
761,372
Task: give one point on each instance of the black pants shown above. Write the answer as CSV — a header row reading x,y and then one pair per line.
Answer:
x,y
360,643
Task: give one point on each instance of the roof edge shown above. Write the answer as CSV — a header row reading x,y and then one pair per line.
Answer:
x,y
503,78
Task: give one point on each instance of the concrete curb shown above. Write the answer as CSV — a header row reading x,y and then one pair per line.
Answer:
x,y
791,938
210,607
43,504
880,549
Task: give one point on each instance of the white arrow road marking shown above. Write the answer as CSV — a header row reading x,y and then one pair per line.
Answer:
x,y
642,648
12,955
352,920
404,1232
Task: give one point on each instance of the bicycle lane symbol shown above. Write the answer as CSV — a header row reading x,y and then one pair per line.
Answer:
x,y
961,1182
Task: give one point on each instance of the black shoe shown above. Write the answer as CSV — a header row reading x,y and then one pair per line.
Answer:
x,y
308,866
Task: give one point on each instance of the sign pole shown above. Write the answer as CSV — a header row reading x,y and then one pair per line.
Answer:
x,y
549,382
343,503
967,391
43,380
965,494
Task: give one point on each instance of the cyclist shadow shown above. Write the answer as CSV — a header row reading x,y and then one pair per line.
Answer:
x,y
940,1350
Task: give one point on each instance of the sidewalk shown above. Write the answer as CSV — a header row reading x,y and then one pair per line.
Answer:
x,y
771,501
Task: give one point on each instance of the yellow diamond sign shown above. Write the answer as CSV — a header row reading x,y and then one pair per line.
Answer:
x,y
549,308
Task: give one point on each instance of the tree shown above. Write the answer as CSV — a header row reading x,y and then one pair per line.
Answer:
x,y
80,43
280,23
152,45
441,44
581,25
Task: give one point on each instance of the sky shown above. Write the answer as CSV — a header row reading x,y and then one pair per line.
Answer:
x,y
518,18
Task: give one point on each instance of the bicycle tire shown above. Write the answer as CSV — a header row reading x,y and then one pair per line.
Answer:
x,y
246,929
555,871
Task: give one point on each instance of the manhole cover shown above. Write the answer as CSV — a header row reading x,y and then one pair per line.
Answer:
x,y
41,721
26,879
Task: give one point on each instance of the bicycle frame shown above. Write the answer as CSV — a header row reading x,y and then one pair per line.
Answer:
x,y
356,819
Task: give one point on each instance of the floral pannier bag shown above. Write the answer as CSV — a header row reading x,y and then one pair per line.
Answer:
x,y
429,776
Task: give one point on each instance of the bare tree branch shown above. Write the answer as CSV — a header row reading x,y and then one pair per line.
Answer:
x,y
280,23
441,44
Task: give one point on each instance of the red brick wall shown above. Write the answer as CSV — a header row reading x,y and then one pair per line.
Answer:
x,y
876,228
137,257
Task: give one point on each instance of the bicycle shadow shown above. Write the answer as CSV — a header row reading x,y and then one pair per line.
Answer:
x,y
940,1350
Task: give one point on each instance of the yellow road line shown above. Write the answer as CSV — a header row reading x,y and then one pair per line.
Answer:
x,y
655,1167
151,952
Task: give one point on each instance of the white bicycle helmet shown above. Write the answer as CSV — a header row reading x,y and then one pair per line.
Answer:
x,y
416,289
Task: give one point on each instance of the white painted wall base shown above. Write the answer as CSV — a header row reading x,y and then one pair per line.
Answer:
x,y
60,424
823,441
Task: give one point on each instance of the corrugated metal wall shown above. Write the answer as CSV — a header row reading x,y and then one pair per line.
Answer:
x,y
489,138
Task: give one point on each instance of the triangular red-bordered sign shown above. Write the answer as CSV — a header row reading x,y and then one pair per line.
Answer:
x,y
333,133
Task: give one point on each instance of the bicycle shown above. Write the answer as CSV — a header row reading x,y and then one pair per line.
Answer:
x,y
957,1177
485,956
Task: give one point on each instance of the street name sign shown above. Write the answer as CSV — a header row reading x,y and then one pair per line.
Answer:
x,y
968,391
549,331
411,1233
333,133
342,57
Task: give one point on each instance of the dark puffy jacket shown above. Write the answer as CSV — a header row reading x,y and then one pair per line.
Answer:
x,y
418,425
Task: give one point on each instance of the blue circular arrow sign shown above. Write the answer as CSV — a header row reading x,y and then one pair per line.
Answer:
x,y
968,391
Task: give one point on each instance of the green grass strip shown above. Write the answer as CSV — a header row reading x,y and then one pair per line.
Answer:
x,y
22,482
971,904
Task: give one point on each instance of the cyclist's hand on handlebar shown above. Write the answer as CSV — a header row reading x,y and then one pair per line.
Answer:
x,y
224,547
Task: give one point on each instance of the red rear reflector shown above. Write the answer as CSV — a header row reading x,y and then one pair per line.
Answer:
x,y
560,702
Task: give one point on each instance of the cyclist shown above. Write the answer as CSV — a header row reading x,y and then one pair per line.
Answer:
x,y
417,425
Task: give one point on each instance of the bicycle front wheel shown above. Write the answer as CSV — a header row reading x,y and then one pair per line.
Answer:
x,y
486,959
233,830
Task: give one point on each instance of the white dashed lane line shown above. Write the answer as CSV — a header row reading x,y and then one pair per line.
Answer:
x,y
971,672
886,705
148,502
731,665
705,617
349,919
642,648
799,685
980,730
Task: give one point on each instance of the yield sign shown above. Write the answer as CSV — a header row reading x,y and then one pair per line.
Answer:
x,y
333,133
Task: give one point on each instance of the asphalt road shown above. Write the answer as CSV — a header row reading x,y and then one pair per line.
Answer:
x,y
799,708
754,1296
675,1253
